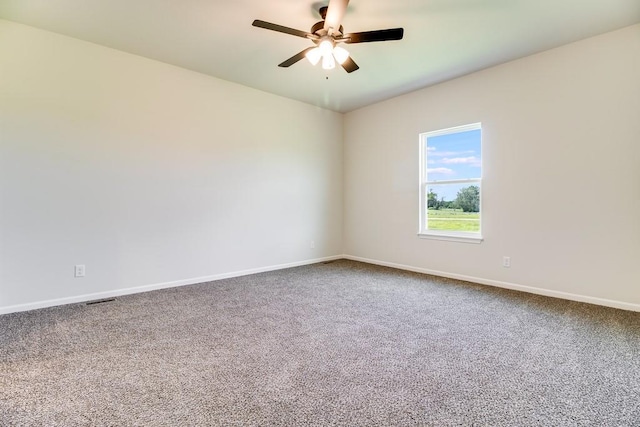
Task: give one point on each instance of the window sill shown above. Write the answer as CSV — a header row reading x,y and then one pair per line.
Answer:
x,y
460,238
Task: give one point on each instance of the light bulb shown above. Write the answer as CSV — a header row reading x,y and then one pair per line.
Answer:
x,y
314,55
340,54
328,63
326,47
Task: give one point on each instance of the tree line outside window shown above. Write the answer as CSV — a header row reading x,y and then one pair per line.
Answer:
x,y
467,199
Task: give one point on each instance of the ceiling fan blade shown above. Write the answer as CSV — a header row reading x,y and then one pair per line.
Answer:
x,y
280,28
295,58
375,36
335,13
349,65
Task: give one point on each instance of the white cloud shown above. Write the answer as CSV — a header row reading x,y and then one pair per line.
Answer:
x,y
460,160
445,171
431,148
448,153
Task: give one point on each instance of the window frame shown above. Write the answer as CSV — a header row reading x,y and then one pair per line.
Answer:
x,y
448,235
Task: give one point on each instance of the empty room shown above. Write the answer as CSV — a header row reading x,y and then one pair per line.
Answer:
x,y
338,213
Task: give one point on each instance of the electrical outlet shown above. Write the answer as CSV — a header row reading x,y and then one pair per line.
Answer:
x,y
313,244
79,270
506,261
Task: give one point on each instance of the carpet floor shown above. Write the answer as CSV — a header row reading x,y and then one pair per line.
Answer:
x,y
336,344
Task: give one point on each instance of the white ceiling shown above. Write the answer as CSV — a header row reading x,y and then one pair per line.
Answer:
x,y
443,38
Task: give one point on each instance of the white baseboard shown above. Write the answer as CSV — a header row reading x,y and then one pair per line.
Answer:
x,y
156,286
145,288
530,289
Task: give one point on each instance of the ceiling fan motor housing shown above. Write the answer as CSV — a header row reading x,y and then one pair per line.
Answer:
x,y
318,26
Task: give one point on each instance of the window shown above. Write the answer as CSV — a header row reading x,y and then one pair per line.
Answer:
x,y
450,182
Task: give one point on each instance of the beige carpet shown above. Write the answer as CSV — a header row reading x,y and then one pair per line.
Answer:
x,y
343,343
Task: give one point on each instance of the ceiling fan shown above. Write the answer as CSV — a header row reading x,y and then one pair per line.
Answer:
x,y
327,35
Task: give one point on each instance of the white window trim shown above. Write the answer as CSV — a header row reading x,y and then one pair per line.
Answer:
x,y
451,236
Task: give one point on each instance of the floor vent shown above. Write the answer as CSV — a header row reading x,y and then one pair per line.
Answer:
x,y
329,262
100,301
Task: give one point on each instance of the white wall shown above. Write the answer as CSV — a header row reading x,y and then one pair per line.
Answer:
x,y
148,173
561,189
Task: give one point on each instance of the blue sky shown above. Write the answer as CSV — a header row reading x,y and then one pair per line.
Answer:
x,y
453,156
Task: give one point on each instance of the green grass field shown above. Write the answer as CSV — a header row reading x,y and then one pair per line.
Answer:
x,y
453,220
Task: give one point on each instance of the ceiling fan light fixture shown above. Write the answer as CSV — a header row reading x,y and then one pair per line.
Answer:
x,y
340,54
326,47
314,55
328,62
